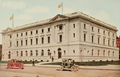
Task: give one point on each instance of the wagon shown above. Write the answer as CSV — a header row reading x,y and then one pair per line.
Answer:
x,y
69,64
15,64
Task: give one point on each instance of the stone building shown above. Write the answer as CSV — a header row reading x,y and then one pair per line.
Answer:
x,y
75,35
0,52
118,44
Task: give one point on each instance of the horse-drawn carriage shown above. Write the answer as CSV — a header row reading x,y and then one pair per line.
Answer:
x,y
69,64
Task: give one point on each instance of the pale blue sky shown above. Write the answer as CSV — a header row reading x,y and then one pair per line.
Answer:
x,y
28,11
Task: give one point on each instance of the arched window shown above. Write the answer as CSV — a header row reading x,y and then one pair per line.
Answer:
x,y
42,53
21,53
26,53
36,52
31,53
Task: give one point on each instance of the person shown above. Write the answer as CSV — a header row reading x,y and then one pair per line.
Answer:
x,y
52,59
33,62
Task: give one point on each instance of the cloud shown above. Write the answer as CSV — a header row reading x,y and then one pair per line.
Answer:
x,y
38,9
24,16
13,5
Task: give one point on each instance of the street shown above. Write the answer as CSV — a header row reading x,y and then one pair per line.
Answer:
x,y
37,71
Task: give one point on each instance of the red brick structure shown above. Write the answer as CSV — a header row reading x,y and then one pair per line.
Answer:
x,y
118,44
0,52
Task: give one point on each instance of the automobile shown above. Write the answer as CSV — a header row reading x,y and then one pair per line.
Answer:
x,y
13,63
69,64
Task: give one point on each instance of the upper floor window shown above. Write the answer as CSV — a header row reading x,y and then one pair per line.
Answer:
x,y
17,43
21,43
73,34
48,29
98,40
64,52
60,38
36,52
31,41
113,34
31,32
21,34
26,53
26,42
42,40
84,26
17,53
60,27
49,39
108,42
113,53
104,53
73,25
113,43
10,44
42,30
10,36
73,51
84,37
36,31
104,32
92,28
31,53
26,33
42,53
92,38
108,53
17,35
98,52
21,53
108,33
36,40
98,30
103,41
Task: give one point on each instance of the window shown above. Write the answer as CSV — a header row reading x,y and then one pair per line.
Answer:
x,y
104,32
113,34
113,43
73,25
26,33
21,53
113,53
17,53
31,32
64,52
21,34
92,28
36,31
42,53
73,51
98,30
17,35
21,43
9,55
36,52
42,40
54,52
48,29
26,42
108,42
108,33
108,53
36,40
48,39
92,52
74,35
84,37
10,44
31,53
10,36
60,27
98,40
98,52
31,41
92,38
104,53
48,52
60,38
42,30
103,41
17,43
84,26
26,53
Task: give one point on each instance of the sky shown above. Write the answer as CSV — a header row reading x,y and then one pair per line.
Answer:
x,y
29,11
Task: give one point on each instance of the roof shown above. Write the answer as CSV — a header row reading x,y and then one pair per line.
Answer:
x,y
62,17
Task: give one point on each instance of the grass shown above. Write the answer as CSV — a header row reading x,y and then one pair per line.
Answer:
x,y
97,63
3,61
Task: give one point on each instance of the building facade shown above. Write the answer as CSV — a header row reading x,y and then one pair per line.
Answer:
x,y
75,35
0,52
118,44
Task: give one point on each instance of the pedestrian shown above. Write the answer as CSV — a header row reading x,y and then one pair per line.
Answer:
x,y
52,59
33,62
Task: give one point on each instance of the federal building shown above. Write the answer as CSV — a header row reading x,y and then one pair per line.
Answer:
x,y
76,35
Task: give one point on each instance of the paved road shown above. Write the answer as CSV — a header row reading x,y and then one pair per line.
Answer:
x,y
34,71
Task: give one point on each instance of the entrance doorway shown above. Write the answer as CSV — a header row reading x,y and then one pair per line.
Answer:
x,y
59,53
